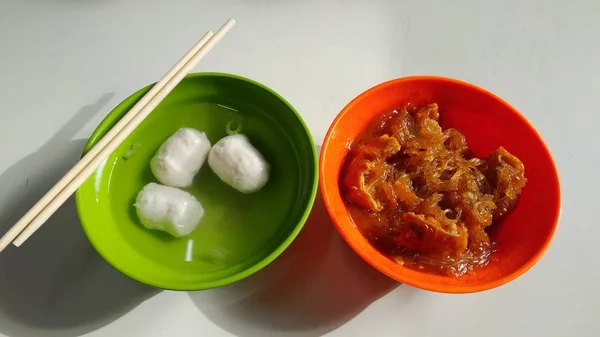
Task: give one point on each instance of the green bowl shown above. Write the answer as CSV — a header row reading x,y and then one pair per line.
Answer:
x,y
239,234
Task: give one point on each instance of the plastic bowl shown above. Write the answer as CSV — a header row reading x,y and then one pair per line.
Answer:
x,y
487,122
239,234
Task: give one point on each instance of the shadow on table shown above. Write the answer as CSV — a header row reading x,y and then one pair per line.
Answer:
x,y
56,284
317,285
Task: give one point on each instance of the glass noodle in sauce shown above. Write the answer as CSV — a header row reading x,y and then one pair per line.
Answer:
x,y
419,196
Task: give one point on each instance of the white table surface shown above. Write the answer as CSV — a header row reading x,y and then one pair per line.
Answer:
x,y
64,64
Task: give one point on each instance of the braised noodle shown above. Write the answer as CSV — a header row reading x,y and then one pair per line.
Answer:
x,y
418,195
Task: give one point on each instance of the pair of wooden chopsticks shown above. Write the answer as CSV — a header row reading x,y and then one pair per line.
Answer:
x,y
67,185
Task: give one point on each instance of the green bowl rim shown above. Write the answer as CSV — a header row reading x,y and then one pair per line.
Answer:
x,y
246,272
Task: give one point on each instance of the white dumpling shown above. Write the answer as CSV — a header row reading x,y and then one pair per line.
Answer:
x,y
239,164
180,157
168,209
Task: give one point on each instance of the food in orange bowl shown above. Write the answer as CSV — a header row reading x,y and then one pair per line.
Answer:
x,y
440,184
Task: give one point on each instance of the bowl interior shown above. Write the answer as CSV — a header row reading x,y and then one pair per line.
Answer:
x,y
239,234
487,122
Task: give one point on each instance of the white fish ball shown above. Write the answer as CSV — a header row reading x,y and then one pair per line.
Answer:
x,y
168,209
239,164
180,157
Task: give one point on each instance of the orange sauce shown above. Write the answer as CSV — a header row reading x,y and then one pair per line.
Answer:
x,y
417,194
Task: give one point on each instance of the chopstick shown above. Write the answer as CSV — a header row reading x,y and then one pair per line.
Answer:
x,y
104,141
67,185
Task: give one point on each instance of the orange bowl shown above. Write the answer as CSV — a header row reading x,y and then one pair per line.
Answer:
x,y
487,122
